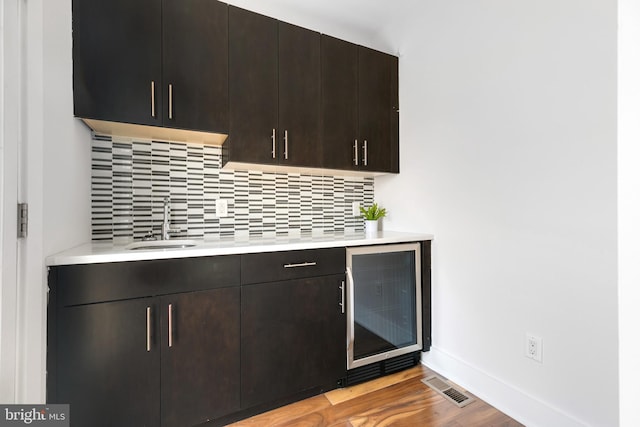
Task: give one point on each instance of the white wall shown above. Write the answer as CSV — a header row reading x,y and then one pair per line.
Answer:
x,y
508,155
67,142
629,208
55,178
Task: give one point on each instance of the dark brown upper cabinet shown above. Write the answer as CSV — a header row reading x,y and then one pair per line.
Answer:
x,y
299,95
117,60
274,92
195,65
339,107
152,62
285,95
377,148
253,88
394,114
359,108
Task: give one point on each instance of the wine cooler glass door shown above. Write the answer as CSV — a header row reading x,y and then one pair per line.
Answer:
x,y
384,303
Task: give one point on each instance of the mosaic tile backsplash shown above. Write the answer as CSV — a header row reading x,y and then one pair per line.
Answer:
x,y
130,180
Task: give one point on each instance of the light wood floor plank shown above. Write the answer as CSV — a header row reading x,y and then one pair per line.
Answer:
x,y
343,394
399,400
283,416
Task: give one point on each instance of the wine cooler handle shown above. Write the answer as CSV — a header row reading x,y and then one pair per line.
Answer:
x,y
350,313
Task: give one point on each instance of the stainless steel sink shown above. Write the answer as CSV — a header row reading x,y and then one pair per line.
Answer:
x,y
161,244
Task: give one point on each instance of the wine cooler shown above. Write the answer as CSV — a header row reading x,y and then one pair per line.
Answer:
x,y
384,303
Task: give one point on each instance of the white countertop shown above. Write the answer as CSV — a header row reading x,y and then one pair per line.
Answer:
x,y
92,253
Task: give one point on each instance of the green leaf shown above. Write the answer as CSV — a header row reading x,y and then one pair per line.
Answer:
x,y
373,212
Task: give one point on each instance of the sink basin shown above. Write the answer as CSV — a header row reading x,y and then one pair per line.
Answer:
x,y
161,244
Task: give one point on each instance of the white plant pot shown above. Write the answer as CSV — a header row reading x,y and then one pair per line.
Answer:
x,y
371,228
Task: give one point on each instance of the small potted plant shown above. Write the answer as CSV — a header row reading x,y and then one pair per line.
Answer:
x,y
371,216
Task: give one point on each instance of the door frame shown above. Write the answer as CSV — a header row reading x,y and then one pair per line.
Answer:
x,y
10,133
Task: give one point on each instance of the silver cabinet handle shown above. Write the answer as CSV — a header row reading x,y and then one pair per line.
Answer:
x,y
273,143
286,145
170,101
302,264
342,297
148,329
365,154
153,99
355,153
170,325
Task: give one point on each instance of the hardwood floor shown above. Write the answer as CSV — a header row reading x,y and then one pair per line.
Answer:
x,y
396,400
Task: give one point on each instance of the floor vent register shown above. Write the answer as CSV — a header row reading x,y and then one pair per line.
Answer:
x,y
448,391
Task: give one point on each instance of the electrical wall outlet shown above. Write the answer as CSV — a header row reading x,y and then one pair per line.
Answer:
x,y
533,348
355,208
221,208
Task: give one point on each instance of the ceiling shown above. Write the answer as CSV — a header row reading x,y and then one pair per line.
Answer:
x,y
362,21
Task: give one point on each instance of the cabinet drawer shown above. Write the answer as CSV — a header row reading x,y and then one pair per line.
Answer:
x,y
83,284
277,266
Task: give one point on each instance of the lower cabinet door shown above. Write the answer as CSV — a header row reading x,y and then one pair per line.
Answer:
x,y
293,338
108,366
200,356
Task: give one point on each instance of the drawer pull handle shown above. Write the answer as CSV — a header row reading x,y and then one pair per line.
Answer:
x,y
148,329
302,264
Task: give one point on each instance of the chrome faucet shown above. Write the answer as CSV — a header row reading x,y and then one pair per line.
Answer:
x,y
166,223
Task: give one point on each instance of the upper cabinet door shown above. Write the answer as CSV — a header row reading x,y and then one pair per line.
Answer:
x,y
375,106
195,65
253,88
299,61
394,167
339,107
117,60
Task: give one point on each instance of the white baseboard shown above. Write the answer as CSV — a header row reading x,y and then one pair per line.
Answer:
x,y
512,401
